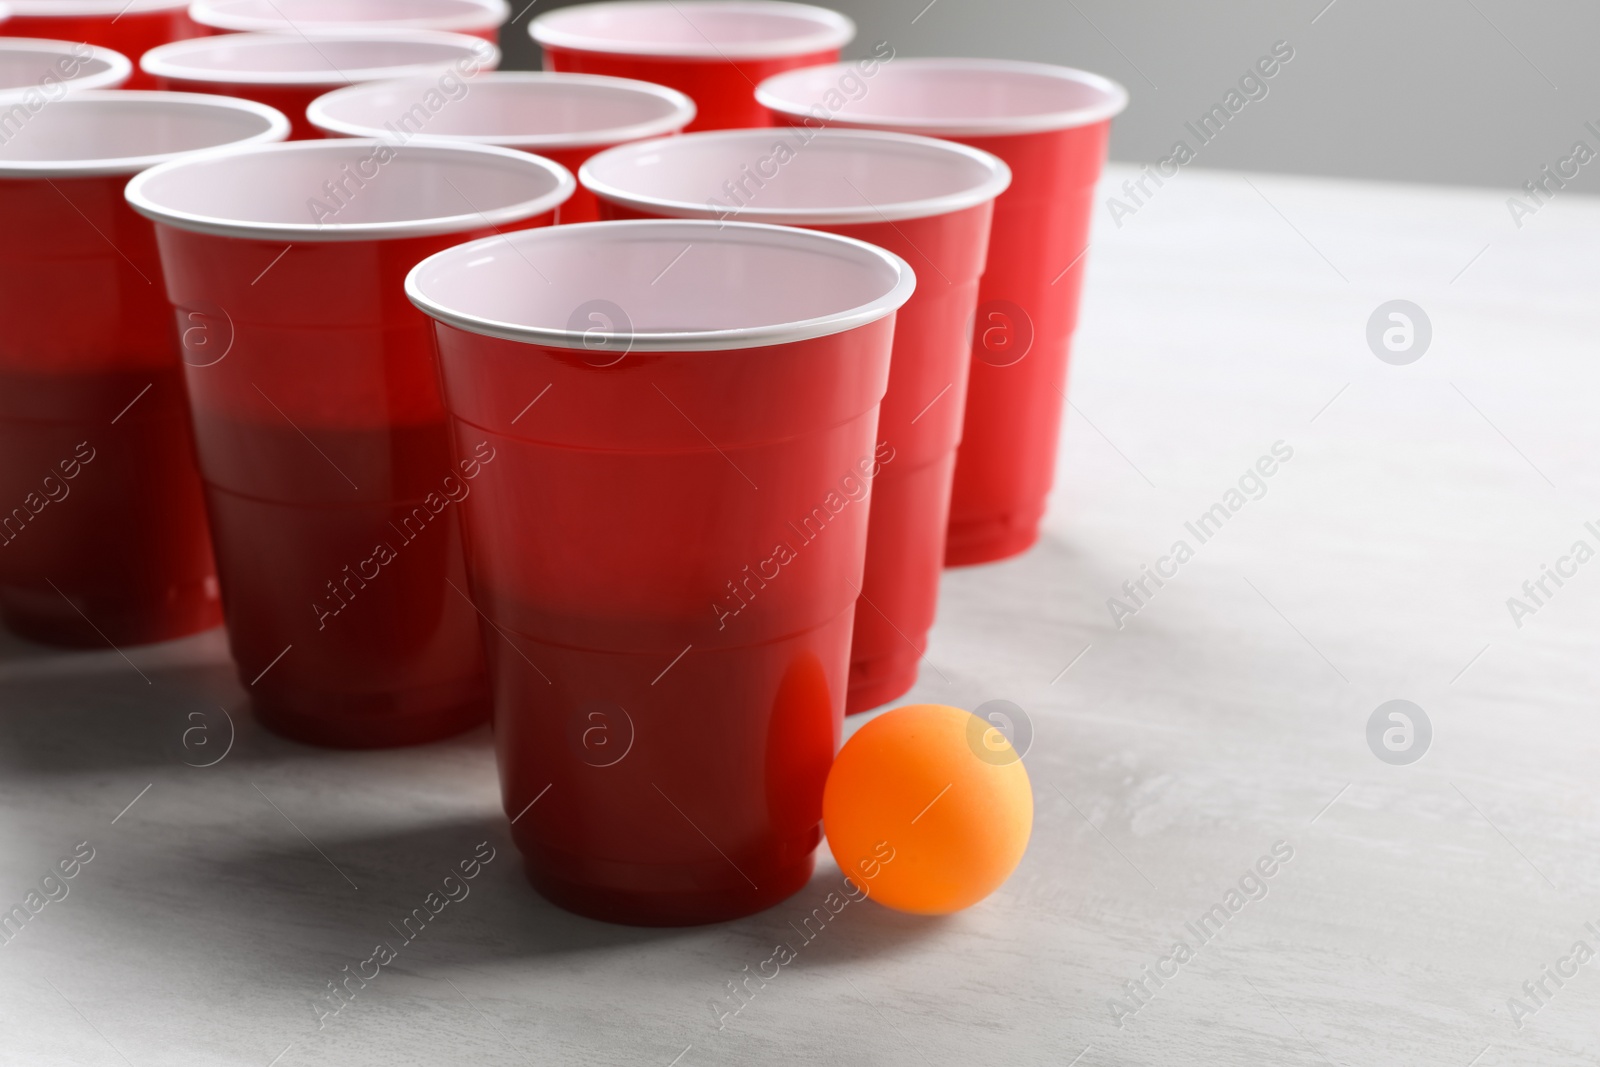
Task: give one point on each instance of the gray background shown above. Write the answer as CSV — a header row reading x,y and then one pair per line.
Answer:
x,y
1474,92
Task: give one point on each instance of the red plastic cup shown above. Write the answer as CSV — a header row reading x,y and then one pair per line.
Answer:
x,y
131,27
479,18
715,51
668,547
329,477
1051,125
102,530
289,71
928,202
564,117
34,72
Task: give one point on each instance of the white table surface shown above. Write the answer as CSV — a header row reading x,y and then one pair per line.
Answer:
x,y
1229,713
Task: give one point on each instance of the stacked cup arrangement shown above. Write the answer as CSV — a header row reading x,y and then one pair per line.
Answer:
x,y
657,466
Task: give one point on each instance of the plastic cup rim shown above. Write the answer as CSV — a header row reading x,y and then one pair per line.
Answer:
x,y
277,129
997,181
312,232
683,113
491,15
119,68
1115,99
835,30
680,341
44,9
159,61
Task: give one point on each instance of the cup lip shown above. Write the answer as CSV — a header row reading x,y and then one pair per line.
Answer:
x,y
277,129
690,231
996,182
1114,98
682,114
309,233
491,14
36,9
834,30
165,61
119,68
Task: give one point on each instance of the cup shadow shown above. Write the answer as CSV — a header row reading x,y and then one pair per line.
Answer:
x,y
174,705
827,925
295,909
293,912
64,713
408,888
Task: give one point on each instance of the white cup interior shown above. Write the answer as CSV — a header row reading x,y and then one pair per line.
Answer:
x,y
365,189
516,109
678,285
30,63
79,8
270,58
313,16
954,97
743,28
121,132
797,177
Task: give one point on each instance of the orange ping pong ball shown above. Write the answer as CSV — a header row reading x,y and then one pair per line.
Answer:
x,y
928,809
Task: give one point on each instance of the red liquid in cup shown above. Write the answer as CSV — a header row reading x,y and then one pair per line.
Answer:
x,y
669,642
131,31
88,357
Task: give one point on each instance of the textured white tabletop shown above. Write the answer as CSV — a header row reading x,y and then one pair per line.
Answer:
x,y
1227,714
